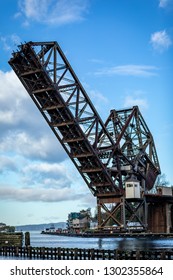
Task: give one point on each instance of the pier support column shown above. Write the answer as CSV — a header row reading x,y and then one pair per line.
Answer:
x,y
145,214
98,214
157,217
123,213
110,212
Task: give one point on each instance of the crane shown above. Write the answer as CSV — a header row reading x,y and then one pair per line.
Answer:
x,y
110,155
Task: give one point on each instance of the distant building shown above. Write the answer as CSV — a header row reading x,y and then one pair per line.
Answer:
x,y
162,190
79,221
50,229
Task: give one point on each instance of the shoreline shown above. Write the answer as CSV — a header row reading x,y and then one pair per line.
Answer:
x,y
112,235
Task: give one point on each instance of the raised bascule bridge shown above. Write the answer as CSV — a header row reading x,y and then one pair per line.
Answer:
x,y
117,159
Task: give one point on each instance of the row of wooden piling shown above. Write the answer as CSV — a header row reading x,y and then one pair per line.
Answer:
x,y
83,254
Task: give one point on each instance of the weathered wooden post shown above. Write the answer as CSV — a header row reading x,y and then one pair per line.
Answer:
x,y
27,239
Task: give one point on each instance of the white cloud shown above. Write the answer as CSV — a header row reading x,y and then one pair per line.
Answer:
x,y
38,194
12,96
23,130
43,147
136,98
98,97
42,181
160,41
45,167
10,41
53,12
48,175
7,164
130,70
131,101
164,3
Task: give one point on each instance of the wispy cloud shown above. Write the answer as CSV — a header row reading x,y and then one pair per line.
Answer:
x,y
129,70
53,12
38,194
165,3
131,101
9,42
160,41
98,98
96,61
7,164
136,98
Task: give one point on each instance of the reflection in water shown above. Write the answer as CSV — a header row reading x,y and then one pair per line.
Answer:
x,y
135,243
124,243
100,243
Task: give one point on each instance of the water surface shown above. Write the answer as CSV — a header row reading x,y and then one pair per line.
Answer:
x,y
121,243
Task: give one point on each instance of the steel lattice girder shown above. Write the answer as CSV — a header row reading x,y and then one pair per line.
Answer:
x,y
135,151
99,151
53,86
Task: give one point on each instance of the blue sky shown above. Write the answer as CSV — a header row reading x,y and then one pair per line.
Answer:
x,y
122,53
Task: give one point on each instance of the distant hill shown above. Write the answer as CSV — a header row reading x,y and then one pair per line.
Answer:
x,y
39,227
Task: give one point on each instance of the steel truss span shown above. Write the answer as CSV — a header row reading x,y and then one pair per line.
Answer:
x,y
105,154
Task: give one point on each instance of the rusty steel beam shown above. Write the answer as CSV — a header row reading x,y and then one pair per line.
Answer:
x,y
55,89
134,147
